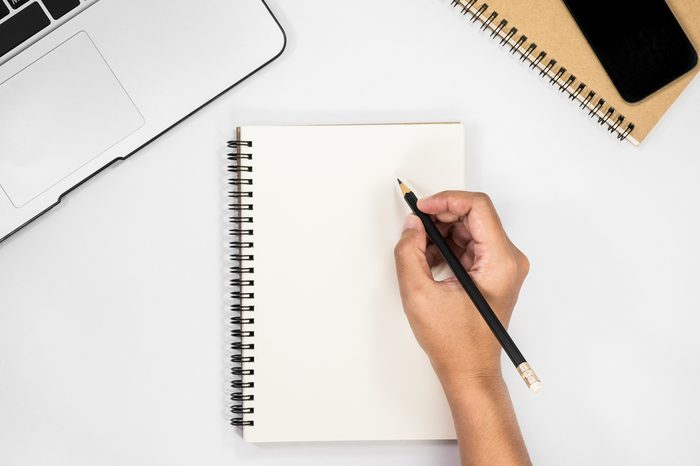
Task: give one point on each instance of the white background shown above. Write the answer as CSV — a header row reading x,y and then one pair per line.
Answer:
x,y
112,324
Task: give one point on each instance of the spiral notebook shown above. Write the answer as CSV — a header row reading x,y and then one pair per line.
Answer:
x,y
543,34
321,347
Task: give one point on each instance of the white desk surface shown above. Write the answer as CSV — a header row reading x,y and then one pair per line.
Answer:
x,y
112,328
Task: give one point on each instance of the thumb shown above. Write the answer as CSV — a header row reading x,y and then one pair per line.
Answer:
x,y
412,267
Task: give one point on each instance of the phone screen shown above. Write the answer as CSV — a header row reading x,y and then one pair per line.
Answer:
x,y
639,43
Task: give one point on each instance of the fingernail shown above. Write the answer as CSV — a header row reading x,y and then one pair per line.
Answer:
x,y
411,222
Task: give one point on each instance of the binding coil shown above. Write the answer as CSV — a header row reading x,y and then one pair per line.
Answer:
x,y
241,283
558,75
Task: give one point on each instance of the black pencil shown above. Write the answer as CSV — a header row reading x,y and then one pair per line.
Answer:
x,y
501,334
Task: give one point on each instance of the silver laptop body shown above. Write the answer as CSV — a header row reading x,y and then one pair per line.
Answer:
x,y
92,81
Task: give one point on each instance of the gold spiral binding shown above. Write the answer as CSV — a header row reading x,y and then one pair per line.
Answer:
x,y
529,51
241,283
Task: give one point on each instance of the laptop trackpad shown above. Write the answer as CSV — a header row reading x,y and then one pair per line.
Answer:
x,y
57,114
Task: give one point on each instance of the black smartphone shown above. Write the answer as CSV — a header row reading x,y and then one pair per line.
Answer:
x,y
639,43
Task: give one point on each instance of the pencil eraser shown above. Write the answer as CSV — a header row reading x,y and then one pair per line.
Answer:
x,y
536,387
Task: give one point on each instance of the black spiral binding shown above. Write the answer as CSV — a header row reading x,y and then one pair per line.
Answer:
x,y
240,235
537,59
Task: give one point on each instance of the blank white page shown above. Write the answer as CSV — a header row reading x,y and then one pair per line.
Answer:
x,y
335,358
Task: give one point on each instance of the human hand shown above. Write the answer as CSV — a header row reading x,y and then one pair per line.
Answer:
x,y
446,324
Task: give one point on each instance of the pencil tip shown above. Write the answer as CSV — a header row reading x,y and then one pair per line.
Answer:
x,y
404,189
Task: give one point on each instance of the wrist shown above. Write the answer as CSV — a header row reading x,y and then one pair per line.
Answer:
x,y
462,373
484,421
477,400
471,386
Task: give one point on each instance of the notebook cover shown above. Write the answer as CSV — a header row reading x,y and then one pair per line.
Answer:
x,y
549,24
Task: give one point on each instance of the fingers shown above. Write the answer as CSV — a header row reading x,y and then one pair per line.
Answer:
x,y
412,266
460,235
479,217
468,257
433,255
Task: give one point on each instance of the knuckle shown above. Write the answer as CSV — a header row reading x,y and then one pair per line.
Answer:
x,y
483,199
510,267
523,264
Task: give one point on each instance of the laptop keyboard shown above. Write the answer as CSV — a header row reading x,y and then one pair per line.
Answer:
x,y
17,3
23,22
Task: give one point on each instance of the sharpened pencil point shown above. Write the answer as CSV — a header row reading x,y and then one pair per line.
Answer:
x,y
404,189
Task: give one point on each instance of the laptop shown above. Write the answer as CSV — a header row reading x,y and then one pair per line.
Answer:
x,y
84,83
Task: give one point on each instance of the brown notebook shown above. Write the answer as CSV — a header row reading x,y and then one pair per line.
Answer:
x,y
543,33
